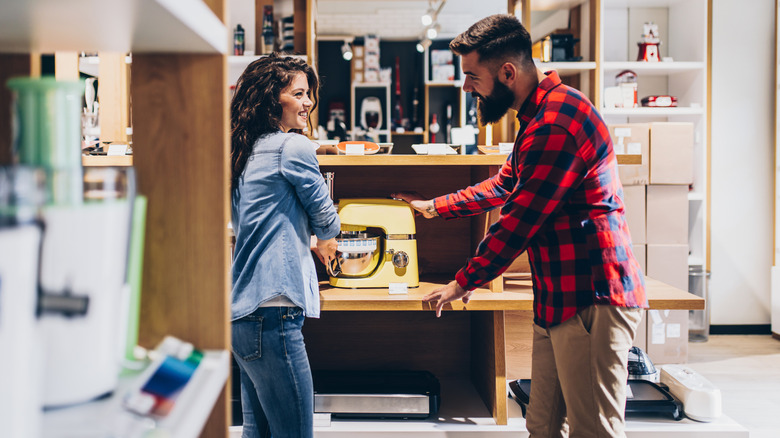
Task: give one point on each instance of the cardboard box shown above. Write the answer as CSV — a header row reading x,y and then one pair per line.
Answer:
x,y
667,214
668,264
671,153
632,139
640,254
667,336
634,199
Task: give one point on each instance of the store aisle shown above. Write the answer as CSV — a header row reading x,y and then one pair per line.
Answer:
x,y
747,371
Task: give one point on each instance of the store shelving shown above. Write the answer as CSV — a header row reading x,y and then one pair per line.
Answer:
x,y
149,26
683,27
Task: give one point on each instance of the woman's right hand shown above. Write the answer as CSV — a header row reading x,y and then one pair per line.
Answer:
x,y
326,250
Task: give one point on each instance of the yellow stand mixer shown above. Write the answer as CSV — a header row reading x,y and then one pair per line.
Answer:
x,y
369,260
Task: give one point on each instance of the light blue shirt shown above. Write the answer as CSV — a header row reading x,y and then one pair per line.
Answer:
x,y
281,200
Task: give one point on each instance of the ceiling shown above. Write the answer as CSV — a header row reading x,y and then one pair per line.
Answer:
x,y
399,19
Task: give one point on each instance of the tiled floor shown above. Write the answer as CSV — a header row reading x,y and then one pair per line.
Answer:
x,y
747,371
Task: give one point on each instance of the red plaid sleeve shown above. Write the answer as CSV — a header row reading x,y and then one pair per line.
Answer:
x,y
478,198
552,168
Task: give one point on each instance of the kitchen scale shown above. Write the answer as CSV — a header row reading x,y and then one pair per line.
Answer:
x,y
376,394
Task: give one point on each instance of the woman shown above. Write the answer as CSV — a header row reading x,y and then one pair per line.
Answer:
x,y
279,199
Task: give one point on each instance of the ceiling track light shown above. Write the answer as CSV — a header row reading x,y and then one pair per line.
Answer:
x,y
433,31
423,44
432,14
346,51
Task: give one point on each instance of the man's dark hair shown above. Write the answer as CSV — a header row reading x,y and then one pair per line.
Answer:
x,y
496,38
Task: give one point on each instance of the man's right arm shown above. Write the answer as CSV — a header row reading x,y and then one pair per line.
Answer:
x,y
479,198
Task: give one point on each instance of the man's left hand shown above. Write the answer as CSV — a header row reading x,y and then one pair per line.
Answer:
x,y
445,294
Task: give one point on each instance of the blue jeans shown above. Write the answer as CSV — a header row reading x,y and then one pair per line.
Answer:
x,y
277,394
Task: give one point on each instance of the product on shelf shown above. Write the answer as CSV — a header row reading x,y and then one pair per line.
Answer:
x,y
648,47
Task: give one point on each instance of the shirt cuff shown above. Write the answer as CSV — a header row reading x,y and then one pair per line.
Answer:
x,y
461,279
442,209
328,232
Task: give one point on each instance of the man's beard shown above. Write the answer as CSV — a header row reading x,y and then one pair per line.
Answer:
x,y
491,108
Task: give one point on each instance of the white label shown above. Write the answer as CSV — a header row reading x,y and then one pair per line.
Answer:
x,y
398,288
620,148
117,149
658,334
634,148
356,149
438,149
464,135
673,330
622,132
505,148
655,315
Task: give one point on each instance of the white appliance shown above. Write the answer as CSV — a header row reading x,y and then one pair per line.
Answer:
x,y
83,270
700,398
20,399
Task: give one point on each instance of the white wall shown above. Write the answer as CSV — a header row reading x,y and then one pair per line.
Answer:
x,y
742,132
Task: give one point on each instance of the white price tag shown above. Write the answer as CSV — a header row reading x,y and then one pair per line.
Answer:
x,y
398,288
658,335
622,132
634,148
506,148
117,149
356,149
620,148
673,330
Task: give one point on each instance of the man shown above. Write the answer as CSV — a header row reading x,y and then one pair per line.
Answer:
x,y
561,200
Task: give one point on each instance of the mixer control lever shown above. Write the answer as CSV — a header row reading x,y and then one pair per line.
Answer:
x,y
400,258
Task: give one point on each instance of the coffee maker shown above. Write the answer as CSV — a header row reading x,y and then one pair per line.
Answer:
x,y
377,245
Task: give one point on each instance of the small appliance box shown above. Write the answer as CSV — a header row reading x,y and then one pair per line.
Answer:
x,y
668,264
667,214
632,139
634,199
667,336
671,153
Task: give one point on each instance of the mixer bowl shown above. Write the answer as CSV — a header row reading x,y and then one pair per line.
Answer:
x,y
358,254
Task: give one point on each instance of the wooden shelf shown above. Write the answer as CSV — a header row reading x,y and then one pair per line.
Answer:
x,y
379,299
140,26
517,295
411,160
105,160
659,295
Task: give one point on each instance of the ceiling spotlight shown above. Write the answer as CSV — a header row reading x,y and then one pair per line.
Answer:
x,y
433,31
346,52
424,44
427,18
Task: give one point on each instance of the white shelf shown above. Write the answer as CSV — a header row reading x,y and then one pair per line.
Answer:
x,y
139,26
90,65
566,68
653,68
370,84
107,417
464,415
652,112
609,4
444,83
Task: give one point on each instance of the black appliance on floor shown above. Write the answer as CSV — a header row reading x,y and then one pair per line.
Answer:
x,y
643,398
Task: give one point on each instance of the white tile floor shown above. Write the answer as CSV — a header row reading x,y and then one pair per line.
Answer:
x,y
747,371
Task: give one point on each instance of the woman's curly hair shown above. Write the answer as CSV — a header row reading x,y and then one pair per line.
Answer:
x,y
255,109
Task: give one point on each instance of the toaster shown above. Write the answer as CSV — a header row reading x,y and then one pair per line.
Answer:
x,y
700,398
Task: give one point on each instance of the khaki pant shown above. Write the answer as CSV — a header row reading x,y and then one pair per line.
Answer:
x,y
579,373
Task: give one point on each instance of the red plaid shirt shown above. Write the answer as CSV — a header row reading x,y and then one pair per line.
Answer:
x,y
561,200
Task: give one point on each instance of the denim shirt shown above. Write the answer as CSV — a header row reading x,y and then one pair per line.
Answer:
x,y
280,200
